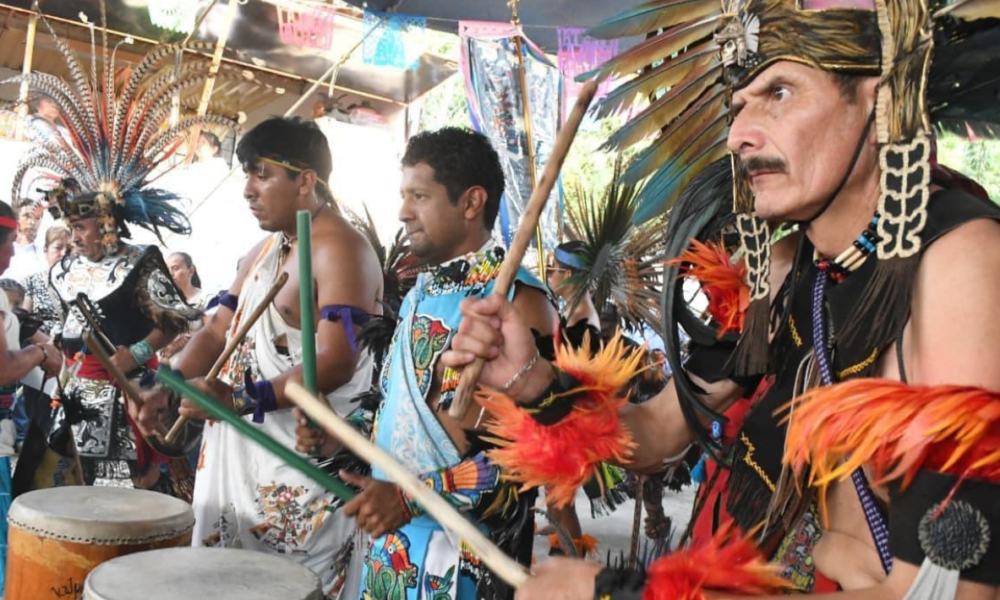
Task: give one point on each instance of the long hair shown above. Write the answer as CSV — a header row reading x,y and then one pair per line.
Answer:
x,y
189,263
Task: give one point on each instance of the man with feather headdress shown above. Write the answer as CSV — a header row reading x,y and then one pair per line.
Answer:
x,y
826,109
102,151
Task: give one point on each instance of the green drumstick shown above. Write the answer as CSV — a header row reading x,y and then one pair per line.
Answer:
x,y
212,408
307,300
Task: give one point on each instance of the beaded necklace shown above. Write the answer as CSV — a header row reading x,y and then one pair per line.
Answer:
x,y
850,260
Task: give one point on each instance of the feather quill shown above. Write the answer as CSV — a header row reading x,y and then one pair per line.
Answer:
x,y
660,47
652,16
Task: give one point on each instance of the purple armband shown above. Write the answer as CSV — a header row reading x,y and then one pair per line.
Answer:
x,y
349,316
224,299
262,393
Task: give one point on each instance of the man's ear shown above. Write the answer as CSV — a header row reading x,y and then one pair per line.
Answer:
x,y
307,183
475,202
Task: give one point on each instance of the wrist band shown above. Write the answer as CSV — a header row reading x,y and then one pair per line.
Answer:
x,y
262,392
407,509
141,352
524,371
45,354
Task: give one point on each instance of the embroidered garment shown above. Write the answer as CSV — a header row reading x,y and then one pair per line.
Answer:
x,y
244,496
421,559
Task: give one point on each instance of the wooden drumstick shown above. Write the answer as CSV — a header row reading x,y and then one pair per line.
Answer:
x,y
124,383
320,412
234,341
526,232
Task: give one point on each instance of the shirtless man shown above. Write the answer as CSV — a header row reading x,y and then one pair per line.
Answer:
x,y
244,496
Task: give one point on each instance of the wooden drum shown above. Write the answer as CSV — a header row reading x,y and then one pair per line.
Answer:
x,y
201,573
58,535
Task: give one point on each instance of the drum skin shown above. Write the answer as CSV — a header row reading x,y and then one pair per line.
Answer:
x,y
202,574
58,536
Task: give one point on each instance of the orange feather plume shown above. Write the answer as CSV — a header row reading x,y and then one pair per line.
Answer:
x,y
729,563
896,429
723,281
563,456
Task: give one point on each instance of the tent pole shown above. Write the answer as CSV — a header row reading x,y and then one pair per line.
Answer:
x,y
206,95
529,137
29,52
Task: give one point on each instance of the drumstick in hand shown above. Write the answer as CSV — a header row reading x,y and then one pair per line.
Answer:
x,y
234,341
525,233
320,412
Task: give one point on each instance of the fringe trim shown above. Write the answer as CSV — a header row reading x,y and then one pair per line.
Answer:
x,y
751,355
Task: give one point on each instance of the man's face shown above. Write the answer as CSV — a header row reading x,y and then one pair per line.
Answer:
x,y
179,270
272,195
434,225
6,249
27,222
87,239
796,133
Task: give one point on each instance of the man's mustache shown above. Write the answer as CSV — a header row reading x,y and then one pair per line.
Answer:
x,y
761,163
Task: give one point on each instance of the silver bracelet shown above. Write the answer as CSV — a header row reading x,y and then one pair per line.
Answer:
x,y
524,370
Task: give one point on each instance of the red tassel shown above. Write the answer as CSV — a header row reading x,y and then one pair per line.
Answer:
x,y
563,456
722,281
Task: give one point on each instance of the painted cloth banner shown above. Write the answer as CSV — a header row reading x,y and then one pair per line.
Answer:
x,y
494,91
579,54
393,40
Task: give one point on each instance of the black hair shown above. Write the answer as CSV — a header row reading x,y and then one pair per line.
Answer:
x,y
292,139
189,263
461,159
213,141
10,285
849,82
7,212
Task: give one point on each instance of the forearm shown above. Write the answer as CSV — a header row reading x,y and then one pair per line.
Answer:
x,y
198,356
18,363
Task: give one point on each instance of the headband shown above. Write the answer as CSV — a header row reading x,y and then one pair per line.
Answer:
x,y
8,222
286,163
569,259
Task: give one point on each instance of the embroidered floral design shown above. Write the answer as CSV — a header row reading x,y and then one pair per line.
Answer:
x,y
438,588
470,274
287,525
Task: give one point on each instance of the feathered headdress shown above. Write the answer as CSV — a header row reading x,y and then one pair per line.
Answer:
x,y
114,135
619,262
698,51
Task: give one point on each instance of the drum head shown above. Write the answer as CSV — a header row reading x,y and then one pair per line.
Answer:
x,y
101,515
201,573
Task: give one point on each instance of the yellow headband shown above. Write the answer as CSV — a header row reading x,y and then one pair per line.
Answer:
x,y
288,165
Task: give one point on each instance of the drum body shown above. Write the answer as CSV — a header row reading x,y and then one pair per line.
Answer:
x,y
202,573
58,535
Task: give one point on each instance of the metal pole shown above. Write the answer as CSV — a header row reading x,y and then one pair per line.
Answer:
x,y
29,52
206,94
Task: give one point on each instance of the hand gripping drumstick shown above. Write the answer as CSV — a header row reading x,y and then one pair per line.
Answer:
x,y
502,565
234,341
525,233
124,383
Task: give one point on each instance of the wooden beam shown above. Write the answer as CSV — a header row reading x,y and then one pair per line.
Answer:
x,y
228,61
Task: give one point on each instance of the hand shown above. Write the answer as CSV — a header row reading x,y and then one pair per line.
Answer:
x,y
492,329
52,365
378,508
219,391
560,579
124,360
155,401
308,438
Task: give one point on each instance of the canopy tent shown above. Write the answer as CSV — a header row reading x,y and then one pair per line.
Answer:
x,y
540,19
253,46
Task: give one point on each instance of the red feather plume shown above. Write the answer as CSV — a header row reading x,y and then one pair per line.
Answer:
x,y
563,456
896,429
729,563
723,281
